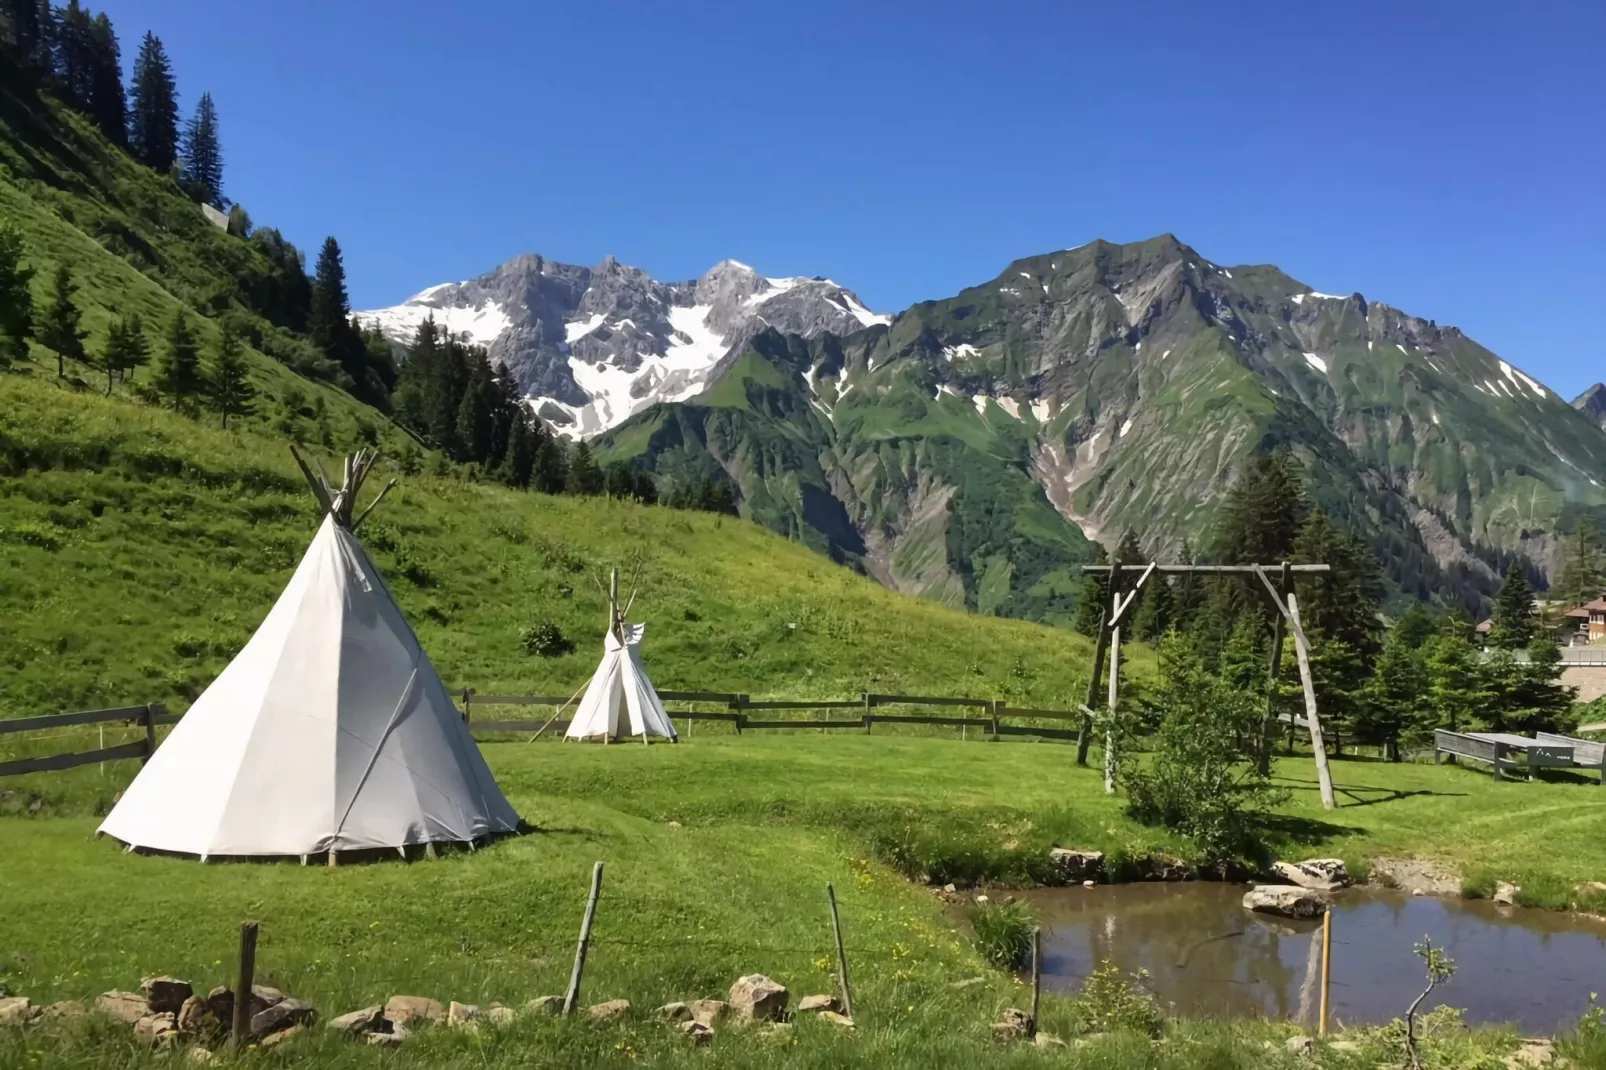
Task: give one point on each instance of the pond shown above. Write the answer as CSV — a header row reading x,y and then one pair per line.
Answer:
x,y
1208,956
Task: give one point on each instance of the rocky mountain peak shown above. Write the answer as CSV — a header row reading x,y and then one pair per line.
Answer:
x,y
1592,403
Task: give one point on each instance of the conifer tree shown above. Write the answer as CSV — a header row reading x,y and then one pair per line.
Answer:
x,y
1395,702
75,54
474,420
178,370
203,158
108,105
58,327
1513,624
1187,594
1093,602
329,322
30,22
16,300
551,473
1344,603
230,385
518,462
1582,576
1154,614
126,348
584,477
1458,691
153,111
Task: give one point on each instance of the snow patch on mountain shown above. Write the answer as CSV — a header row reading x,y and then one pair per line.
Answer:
x,y
1316,362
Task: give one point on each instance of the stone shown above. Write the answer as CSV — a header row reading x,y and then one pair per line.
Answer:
x,y
949,888
460,1013
498,1015
165,995
1317,874
67,1008
127,1007
1506,894
756,998
981,899
408,1010
841,1021
157,1030
1164,867
282,1015
710,1012
969,982
548,1005
698,1033
1048,1040
817,1004
1013,1024
195,1018
1531,1052
614,1010
1073,866
395,1036
358,1022
674,1012
1285,901
1300,1045
265,995
273,1040
1089,884
203,1056
17,1010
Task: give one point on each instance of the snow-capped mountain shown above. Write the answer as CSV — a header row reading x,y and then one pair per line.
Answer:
x,y
591,346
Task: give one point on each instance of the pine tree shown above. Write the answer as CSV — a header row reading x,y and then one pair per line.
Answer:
x,y
58,327
153,111
203,156
16,300
1513,624
108,105
75,54
125,348
1582,576
1395,702
507,412
30,22
474,420
518,461
551,473
1156,609
1528,694
1188,594
1415,627
230,385
329,323
1343,604
584,477
178,372
1458,691
1093,602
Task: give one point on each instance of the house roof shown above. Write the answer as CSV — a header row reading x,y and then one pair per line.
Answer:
x,y
1597,606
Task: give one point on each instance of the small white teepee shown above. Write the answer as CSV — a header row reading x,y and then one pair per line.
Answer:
x,y
330,731
620,701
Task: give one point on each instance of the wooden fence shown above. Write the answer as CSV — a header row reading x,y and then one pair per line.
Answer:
x,y
149,716
739,710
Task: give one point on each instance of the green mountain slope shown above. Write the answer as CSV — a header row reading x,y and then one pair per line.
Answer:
x,y
139,549
1111,387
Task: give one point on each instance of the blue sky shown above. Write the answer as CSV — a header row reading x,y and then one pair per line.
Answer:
x,y
1446,158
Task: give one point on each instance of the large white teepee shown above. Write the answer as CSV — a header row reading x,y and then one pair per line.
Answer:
x,y
330,731
620,701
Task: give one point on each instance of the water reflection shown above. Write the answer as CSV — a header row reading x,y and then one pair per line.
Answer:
x,y
1206,955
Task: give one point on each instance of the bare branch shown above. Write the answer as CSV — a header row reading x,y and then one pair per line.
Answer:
x,y
319,490
386,489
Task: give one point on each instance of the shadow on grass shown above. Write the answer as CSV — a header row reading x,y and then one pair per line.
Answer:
x,y
1274,831
1353,791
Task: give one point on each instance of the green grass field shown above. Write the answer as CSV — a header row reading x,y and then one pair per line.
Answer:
x,y
717,854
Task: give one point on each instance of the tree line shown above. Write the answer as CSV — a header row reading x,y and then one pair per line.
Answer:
x,y
1376,685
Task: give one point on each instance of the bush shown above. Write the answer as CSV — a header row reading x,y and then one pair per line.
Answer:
x,y
1003,933
546,640
1112,1002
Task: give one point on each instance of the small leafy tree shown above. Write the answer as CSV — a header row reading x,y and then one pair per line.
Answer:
x,y
1111,1002
58,326
16,302
1440,968
546,640
1199,783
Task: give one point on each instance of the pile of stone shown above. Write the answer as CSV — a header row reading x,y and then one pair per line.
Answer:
x,y
1305,891
754,1000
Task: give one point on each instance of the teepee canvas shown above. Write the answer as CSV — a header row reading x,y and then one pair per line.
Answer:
x,y
330,731
620,702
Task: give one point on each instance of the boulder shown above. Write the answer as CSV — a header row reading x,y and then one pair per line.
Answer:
x,y
67,1008
614,1010
710,1012
410,1010
1164,867
1073,867
157,1030
1506,894
196,1019
841,1021
818,1004
548,1005
359,1023
395,1036
17,1010
1013,1024
1285,901
674,1012
273,1040
460,1013
282,1015
265,995
1317,874
498,1015
165,995
127,1007
698,1033
756,998
1300,1045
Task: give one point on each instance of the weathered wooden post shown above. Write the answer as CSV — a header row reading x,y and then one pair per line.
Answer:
x,y
1327,968
240,1032
1100,645
1324,776
1115,685
1263,758
841,955
572,996
1037,974
150,734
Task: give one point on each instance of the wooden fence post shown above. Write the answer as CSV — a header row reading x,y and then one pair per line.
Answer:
x,y
1263,754
573,995
864,696
841,955
1037,974
992,709
1100,646
241,1026
150,733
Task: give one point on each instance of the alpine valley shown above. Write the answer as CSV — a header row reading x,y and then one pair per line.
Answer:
x,y
972,449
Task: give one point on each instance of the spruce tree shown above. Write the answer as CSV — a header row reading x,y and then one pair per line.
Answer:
x,y
230,386
75,54
329,322
1513,624
108,105
203,156
1458,689
474,421
507,412
16,300
1188,593
31,22
178,371
518,461
1344,603
153,108
1582,576
58,327
1396,699
1155,613
584,477
551,473
1093,601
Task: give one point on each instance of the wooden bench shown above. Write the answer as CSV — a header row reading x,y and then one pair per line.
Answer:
x,y
1587,754
1494,748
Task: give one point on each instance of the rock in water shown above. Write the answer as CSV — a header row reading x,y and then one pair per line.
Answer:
x,y
1285,901
1506,894
1073,867
1317,874
757,998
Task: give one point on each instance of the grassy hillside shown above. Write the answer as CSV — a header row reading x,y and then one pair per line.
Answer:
x,y
139,549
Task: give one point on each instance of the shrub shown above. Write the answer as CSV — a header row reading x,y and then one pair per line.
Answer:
x,y
1113,1002
1003,933
546,640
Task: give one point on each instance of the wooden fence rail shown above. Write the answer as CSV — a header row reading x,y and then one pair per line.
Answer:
x,y
149,716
